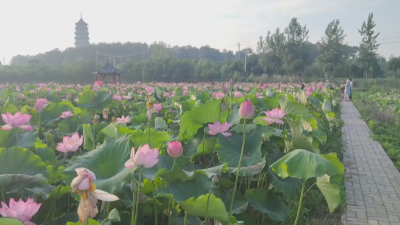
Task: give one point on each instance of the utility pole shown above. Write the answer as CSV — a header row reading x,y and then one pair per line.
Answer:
x,y
238,44
245,62
114,61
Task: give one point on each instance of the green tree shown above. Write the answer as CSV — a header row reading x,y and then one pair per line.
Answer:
x,y
332,47
297,51
393,65
368,47
270,52
160,50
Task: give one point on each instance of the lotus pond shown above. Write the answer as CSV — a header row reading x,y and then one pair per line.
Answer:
x,y
166,153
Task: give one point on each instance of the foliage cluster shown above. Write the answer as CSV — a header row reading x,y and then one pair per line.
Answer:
x,y
282,167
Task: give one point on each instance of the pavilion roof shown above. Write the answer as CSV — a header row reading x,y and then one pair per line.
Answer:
x,y
109,69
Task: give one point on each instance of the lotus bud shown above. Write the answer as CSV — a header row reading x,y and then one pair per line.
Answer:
x,y
246,110
113,216
175,149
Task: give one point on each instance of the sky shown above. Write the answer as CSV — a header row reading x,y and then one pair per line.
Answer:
x,y
33,27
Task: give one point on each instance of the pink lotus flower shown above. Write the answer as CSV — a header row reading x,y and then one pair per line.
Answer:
x,y
175,149
158,107
218,95
308,93
150,90
98,83
70,144
123,119
17,120
23,211
274,116
21,96
218,128
66,114
246,110
265,86
84,187
40,104
145,157
126,97
117,98
166,94
185,92
238,94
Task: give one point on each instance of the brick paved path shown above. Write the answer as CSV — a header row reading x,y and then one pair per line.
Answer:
x,y
372,181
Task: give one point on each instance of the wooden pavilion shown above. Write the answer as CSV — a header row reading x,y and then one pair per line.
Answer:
x,y
108,70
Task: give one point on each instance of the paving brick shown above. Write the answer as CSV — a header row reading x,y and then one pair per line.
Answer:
x,y
372,182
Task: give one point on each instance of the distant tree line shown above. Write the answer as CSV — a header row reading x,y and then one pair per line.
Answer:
x,y
286,53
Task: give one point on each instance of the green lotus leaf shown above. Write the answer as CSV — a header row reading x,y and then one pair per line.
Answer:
x,y
298,140
331,191
239,128
245,219
320,136
193,120
10,221
157,138
181,191
111,130
160,124
63,219
206,146
47,155
88,137
53,111
303,164
292,107
69,126
265,201
107,162
234,117
239,203
8,139
20,166
36,190
166,162
198,207
90,221
248,170
332,157
97,101
290,187
327,105
140,119
179,220
229,148
170,175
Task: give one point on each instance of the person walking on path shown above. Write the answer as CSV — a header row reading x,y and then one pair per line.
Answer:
x,y
347,90
342,87
351,87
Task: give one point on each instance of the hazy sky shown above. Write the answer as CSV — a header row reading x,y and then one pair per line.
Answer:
x,y
32,27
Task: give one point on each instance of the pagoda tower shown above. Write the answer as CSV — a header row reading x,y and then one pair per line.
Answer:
x,y
81,34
